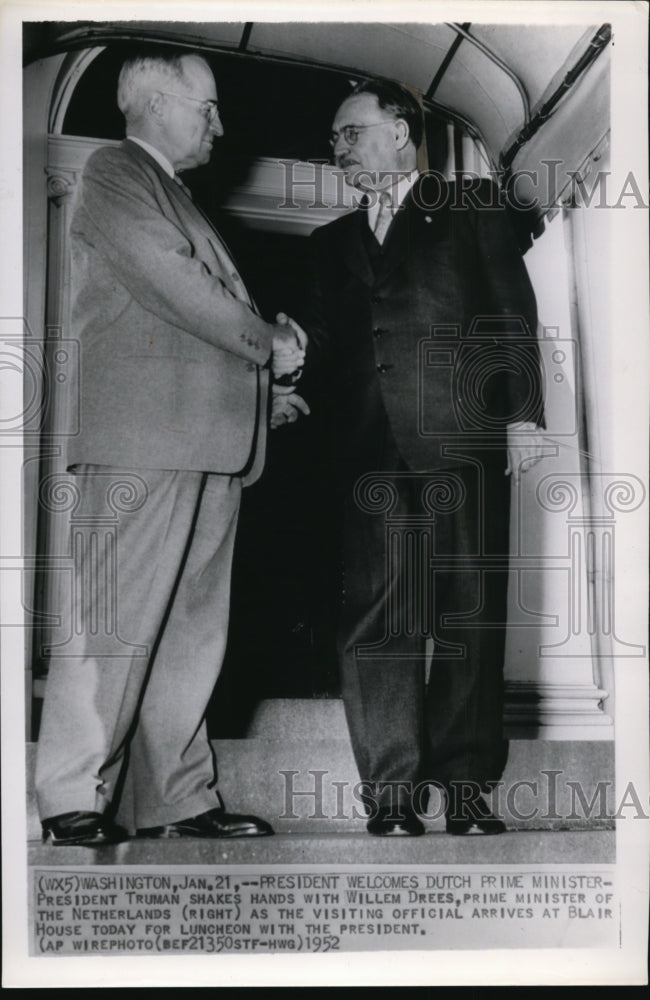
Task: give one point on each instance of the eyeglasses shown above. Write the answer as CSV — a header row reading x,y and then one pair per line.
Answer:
x,y
351,132
209,109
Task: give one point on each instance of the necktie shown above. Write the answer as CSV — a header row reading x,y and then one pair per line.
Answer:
x,y
384,217
228,265
183,187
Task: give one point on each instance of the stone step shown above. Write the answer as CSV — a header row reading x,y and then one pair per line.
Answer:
x,y
295,767
299,719
523,847
312,785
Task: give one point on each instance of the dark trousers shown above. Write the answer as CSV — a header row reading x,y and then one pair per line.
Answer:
x,y
425,554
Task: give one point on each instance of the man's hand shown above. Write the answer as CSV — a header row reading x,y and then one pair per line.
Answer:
x,y
525,448
286,406
300,334
289,342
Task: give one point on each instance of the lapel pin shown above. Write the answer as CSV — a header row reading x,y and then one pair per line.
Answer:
x,y
428,218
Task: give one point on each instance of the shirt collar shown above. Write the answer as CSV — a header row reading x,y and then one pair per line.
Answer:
x,y
159,157
399,192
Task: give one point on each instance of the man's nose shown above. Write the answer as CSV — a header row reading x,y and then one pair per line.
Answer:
x,y
216,126
340,148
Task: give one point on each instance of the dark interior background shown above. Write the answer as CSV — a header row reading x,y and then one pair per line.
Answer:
x,y
268,108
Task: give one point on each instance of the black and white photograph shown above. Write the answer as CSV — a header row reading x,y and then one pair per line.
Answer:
x,y
324,511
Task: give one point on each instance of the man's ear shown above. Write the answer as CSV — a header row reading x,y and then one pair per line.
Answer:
x,y
155,106
403,133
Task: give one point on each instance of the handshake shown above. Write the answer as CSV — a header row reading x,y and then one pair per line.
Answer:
x,y
288,358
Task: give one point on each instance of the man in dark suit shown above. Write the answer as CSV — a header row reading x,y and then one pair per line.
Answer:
x,y
422,323
174,381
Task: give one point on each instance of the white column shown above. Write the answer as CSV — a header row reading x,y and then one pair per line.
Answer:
x,y
559,685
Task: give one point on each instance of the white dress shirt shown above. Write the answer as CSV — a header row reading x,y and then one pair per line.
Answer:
x,y
398,192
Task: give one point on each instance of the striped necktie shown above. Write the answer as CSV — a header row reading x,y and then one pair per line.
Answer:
x,y
384,217
235,285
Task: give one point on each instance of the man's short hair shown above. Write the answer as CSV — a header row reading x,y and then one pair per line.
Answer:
x,y
397,99
143,71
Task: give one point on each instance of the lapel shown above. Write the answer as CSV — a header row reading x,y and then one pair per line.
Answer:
x,y
401,239
181,197
404,236
353,246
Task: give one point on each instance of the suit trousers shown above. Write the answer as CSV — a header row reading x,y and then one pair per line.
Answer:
x,y
432,565
123,725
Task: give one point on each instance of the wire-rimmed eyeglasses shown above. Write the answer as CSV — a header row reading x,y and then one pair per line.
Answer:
x,y
209,109
351,132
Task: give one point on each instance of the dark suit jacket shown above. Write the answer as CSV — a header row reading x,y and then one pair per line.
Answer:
x,y
375,319
172,349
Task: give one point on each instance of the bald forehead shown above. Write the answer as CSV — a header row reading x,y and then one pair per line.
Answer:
x,y
359,110
198,75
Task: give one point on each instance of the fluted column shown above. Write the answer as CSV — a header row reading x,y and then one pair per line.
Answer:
x,y
569,691
88,570
591,557
410,546
573,626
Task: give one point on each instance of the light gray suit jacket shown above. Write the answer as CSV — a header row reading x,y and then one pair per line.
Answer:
x,y
172,348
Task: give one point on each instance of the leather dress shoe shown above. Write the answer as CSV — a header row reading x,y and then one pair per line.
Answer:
x,y
82,829
213,823
475,818
395,821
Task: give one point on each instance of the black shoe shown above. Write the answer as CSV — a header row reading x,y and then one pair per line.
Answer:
x,y
82,829
395,821
475,818
213,823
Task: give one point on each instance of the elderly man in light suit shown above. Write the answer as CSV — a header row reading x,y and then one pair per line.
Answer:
x,y
174,389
